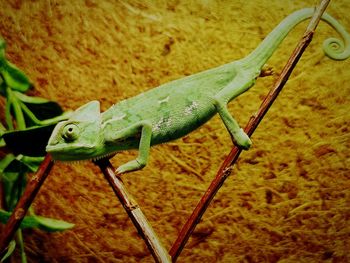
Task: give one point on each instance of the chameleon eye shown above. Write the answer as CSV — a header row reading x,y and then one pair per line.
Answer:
x,y
70,132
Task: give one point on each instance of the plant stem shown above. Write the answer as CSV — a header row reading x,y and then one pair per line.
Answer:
x,y
8,114
226,168
21,124
21,245
36,121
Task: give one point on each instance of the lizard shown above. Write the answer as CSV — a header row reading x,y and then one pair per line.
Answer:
x,y
174,109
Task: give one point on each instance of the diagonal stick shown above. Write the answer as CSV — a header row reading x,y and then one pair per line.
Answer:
x,y
135,213
227,166
24,203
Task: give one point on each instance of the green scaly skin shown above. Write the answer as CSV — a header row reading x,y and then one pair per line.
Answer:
x,y
174,109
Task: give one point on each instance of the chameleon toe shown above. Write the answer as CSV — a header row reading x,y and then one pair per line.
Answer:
x,y
129,166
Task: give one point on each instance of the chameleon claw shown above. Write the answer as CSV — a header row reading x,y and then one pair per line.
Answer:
x,y
118,171
242,140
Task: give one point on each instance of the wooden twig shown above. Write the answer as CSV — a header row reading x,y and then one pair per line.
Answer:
x,y
226,168
134,212
24,203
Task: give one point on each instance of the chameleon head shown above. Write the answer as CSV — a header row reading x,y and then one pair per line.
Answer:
x,y
79,137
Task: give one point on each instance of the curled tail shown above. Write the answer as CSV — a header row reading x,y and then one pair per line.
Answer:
x,y
334,48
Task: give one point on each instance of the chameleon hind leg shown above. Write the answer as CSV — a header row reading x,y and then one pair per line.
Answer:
x,y
144,145
239,137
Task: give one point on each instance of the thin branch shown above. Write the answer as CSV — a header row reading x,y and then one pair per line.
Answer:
x,y
24,203
134,212
226,168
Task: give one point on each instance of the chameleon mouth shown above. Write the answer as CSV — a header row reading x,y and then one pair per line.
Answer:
x,y
103,156
70,159
62,148
79,153
80,160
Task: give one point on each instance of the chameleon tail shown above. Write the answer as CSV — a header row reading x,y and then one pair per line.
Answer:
x,y
334,48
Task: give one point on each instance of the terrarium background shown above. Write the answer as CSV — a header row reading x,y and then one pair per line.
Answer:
x,y
288,199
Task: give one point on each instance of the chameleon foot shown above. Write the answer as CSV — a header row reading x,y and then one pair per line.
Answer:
x,y
130,166
242,140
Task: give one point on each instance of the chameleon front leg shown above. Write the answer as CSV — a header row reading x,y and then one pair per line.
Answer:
x,y
144,145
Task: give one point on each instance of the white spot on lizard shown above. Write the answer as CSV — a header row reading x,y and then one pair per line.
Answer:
x,y
165,100
162,123
120,117
189,109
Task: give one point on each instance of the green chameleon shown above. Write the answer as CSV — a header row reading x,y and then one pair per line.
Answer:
x,y
174,109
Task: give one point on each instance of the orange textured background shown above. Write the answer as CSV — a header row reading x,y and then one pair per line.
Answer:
x,y
288,199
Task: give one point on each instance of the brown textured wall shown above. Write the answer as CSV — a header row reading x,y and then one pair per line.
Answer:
x,y
289,198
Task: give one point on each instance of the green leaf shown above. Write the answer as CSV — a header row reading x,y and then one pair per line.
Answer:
x,y
45,111
52,225
42,108
12,164
43,223
5,162
37,111
12,173
8,176
2,127
2,44
12,188
31,141
17,110
8,116
2,142
30,99
2,86
14,77
32,163
11,247
2,131
19,239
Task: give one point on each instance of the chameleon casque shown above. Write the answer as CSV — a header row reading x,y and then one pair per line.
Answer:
x,y
174,109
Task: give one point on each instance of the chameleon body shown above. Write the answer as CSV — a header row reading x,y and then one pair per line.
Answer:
x,y
174,109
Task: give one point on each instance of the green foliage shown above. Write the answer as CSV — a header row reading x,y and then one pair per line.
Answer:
x,y
29,123
10,249
21,141
13,77
13,170
35,221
